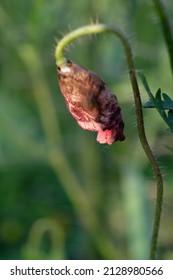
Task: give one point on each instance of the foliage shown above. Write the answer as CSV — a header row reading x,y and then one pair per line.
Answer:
x,y
161,105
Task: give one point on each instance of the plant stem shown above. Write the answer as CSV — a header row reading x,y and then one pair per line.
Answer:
x,y
99,28
166,26
82,31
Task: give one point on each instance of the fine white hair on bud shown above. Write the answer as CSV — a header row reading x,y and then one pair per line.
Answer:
x,y
65,69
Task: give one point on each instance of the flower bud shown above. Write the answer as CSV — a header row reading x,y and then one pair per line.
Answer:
x,y
91,103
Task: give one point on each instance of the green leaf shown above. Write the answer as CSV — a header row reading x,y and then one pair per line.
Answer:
x,y
158,100
158,94
146,86
170,117
168,102
167,98
149,104
155,101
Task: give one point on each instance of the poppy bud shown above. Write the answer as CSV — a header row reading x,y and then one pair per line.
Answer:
x,y
91,102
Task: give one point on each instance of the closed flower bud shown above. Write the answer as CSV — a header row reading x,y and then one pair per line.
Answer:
x,y
91,102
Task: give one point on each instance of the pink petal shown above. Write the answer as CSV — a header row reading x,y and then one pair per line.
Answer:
x,y
107,136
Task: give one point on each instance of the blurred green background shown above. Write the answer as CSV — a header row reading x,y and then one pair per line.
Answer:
x,y
62,194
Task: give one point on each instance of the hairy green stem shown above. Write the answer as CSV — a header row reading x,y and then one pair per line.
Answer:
x,y
60,59
166,26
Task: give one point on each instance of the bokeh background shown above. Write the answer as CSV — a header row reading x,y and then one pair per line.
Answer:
x,y
62,194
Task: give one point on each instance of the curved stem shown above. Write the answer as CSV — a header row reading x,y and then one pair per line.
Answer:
x,y
99,28
82,31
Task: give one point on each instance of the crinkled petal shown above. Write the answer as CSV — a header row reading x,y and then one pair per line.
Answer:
x,y
91,102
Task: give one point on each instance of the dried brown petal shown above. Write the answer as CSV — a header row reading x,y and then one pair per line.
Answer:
x,y
91,102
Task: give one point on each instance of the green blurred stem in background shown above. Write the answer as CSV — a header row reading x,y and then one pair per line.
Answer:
x,y
166,26
57,159
60,59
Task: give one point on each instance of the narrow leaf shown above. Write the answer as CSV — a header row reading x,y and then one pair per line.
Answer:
x,y
149,104
158,94
146,86
158,100
168,102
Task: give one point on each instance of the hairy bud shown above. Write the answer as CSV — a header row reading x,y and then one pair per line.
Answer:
x,y
91,102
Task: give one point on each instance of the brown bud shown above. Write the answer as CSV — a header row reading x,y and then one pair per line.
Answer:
x,y
91,102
